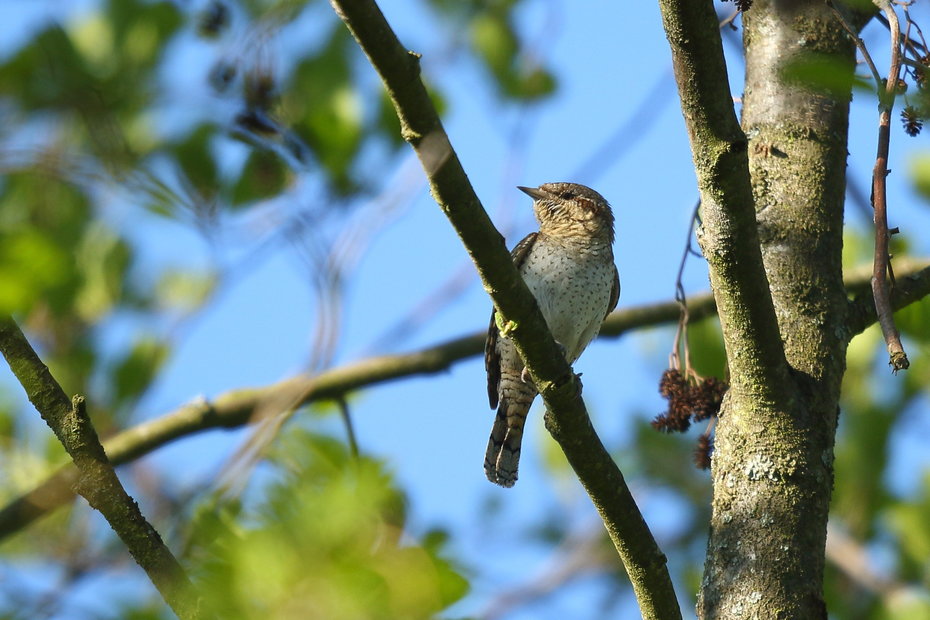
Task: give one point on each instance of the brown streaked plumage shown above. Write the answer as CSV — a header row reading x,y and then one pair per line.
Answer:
x,y
569,267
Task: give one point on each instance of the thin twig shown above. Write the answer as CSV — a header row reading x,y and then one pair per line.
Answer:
x,y
96,481
729,19
915,64
910,43
347,421
681,332
880,289
917,49
860,44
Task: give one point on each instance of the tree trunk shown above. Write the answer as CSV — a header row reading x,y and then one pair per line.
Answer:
x,y
773,462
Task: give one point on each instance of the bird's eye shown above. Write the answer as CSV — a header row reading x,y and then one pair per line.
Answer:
x,y
567,195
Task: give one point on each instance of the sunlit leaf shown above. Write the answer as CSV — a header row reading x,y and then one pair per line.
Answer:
x,y
32,268
327,543
184,290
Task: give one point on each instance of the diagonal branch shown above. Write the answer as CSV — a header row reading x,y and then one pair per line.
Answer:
x,y
567,419
728,233
95,479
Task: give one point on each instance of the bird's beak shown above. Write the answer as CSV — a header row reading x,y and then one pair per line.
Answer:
x,y
533,192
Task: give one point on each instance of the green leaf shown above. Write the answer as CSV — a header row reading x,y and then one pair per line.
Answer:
x,y
184,290
195,157
496,43
705,343
328,542
103,260
327,110
47,73
264,175
135,371
142,30
823,72
535,84
33,268
920,173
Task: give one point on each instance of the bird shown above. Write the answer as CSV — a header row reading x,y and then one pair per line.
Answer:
x,y
568,265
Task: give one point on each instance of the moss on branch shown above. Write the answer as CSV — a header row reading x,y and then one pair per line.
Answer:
x,y
93,476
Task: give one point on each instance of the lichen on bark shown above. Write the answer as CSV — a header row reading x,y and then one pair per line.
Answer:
x,y
773,466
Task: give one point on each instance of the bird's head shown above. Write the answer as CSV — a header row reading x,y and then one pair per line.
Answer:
x,y
571,210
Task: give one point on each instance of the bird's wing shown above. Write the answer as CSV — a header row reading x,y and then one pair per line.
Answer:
x,y
491,356
614,293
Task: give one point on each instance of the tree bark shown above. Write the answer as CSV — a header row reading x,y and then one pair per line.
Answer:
x,y
95,480
773,465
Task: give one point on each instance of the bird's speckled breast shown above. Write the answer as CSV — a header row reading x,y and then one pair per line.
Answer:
x,y
572,284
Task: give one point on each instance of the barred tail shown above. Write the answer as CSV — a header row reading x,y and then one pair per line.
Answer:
x,y
503,456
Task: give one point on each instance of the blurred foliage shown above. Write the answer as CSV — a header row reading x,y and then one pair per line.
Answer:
x,y
705,344
329,106
201,112
489,25
328,541
89,107
920,173
124,112
823,72
869,505
134,371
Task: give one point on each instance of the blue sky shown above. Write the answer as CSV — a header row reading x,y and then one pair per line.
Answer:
x,y
612,65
